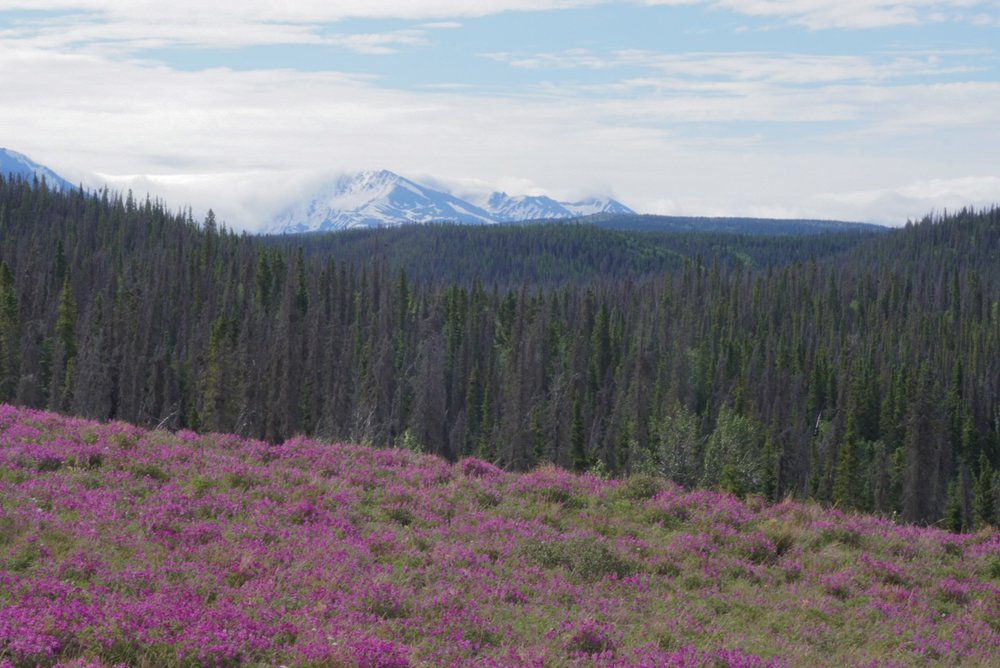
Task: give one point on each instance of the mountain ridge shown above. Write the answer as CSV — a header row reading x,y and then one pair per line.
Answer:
x,y
18,164
385,199
373,199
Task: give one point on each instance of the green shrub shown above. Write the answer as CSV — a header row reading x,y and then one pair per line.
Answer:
x,y
150,471
400,514
49,464
593,561
588,559
200,485
240,481
487,498
23,558
554,494
993,568
9,530
123,441
640,488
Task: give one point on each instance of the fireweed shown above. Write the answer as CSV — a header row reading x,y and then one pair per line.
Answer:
x,y
125,547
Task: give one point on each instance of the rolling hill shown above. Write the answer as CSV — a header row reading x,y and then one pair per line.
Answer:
x,y
848,367
125,546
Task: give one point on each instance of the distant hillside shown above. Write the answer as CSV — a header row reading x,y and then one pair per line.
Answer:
x,y
555,253
120,546
854,368
730,225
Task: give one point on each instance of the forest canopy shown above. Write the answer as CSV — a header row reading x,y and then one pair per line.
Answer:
x,y
854,367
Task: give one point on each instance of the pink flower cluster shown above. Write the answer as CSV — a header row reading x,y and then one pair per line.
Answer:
x,y
125,547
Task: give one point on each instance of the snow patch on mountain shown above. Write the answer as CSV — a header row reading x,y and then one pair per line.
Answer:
x,y
595,205
18,164
375,199
509,209
384,199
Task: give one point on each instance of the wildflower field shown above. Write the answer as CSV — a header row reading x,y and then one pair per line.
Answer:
x,y
120,546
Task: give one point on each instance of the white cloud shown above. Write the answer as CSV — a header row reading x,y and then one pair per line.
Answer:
x,y
121,26
912,201
564,60
783,68
242,142
300,11
797,68
124,25
708,133
889,95
268,127
855,14
107,33
441,25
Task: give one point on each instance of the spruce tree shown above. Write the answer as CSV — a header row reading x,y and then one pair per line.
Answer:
x,y
66,321
10,335
846,478
578,440
983,507
953,516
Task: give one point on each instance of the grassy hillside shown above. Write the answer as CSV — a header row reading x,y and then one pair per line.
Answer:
x,y
121,546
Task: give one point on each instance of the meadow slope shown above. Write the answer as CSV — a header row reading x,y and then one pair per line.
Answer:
x,y
120,546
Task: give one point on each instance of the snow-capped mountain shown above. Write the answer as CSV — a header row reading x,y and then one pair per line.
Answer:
x,y
375,199
508,209
595,205
382,198
18,164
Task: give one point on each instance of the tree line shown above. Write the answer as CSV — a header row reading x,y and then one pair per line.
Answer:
x,y
555,253
860,370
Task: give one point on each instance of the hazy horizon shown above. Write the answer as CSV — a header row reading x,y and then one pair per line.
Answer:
x,y
870,110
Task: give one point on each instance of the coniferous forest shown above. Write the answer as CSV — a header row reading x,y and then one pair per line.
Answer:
x,y
860,368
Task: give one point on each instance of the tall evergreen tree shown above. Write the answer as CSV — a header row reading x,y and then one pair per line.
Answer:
x,y
983,500
954,520
847,476
578,438
10,335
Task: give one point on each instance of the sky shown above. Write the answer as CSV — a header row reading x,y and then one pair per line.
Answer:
x,y
868,110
